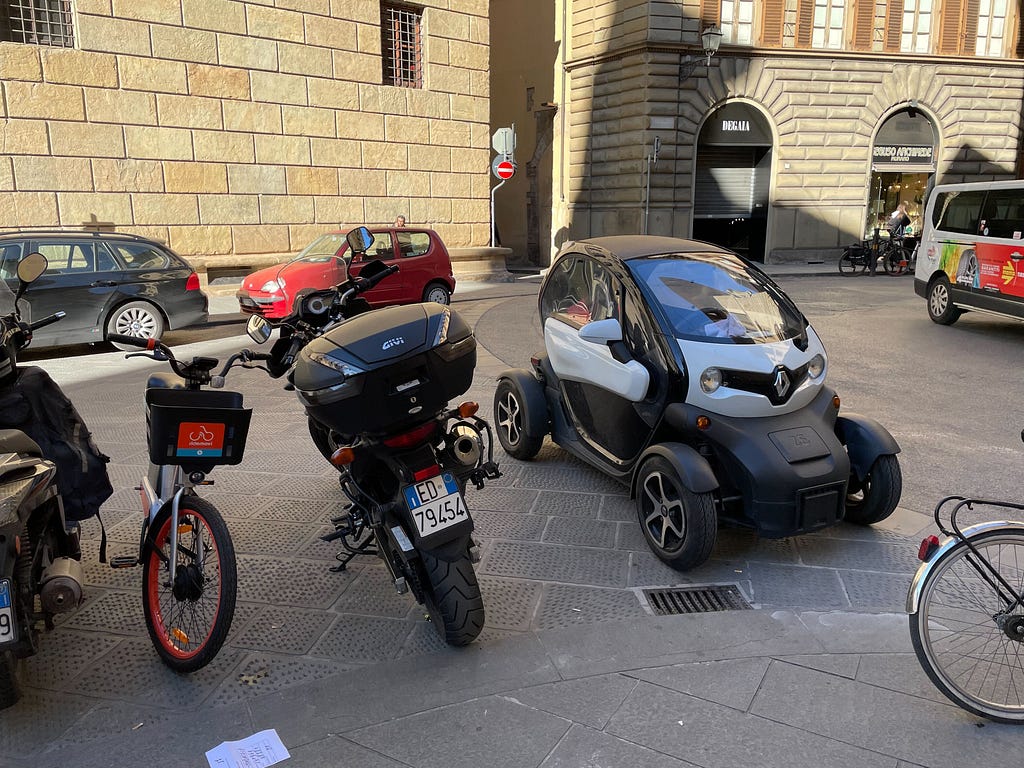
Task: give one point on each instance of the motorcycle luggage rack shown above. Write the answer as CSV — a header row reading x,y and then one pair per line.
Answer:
x,y
196,429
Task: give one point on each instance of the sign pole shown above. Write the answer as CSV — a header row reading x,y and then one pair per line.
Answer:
x,y
493,190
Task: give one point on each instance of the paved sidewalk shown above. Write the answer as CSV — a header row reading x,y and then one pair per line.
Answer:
x,y
572,668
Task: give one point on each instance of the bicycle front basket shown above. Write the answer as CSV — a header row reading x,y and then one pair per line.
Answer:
x,y
196,429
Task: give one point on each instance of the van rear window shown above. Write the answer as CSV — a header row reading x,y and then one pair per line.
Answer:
x,y
958,211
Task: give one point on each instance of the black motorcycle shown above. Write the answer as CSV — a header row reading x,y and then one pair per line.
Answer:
x,y
40,556
376,387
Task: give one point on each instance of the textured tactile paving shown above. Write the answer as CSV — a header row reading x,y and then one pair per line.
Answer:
x,y
112,611
263,673
791,586
744,544
583,533
550,562
373,593
300,510
63,654
362,638
28,727
508,525
629,536
563,605
265,461
132,670
885,591
843,553
310,487
283,629
571,504
509,603
267,537
289,581
497,499
582,480
617,507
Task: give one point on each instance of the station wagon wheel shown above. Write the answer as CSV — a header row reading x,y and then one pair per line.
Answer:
x,y
679,525
137,318
940,304
438,293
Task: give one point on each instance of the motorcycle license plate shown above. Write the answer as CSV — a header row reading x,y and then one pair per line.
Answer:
x,y
435,503
8,627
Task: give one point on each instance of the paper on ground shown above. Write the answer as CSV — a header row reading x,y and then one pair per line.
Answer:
x,y
256,751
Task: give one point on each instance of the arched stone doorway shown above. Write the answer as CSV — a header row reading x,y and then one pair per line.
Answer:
x,y
732,180
902,165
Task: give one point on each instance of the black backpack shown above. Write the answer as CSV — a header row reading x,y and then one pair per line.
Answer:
x,y
39,408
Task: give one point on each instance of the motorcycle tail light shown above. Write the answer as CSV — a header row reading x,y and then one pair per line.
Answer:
x,y
192,284
412,437
423,474
928,546
467,409
343,456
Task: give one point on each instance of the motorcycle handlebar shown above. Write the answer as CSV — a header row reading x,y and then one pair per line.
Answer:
x,y
135,341
49,320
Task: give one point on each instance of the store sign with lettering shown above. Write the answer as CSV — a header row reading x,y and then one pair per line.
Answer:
x,y
736,125
902,154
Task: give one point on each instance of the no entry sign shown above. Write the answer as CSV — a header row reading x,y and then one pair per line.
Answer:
x,y
503,169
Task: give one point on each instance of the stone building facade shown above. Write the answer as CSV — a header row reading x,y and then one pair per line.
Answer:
x,y
807,126
231,128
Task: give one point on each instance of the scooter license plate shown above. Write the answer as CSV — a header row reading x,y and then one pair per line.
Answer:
x,y
435,504
8,627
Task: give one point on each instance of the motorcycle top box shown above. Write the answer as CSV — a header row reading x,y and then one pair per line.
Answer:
x,y
683,370
381,371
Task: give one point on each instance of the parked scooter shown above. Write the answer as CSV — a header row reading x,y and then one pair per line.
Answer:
x,y
40,556
376,387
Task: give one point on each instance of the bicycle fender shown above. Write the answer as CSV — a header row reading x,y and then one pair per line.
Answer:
x,y
917,585
693,469
865,440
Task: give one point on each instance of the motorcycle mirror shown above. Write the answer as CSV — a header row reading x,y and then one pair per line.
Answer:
x,y
359,239
31,267
259,329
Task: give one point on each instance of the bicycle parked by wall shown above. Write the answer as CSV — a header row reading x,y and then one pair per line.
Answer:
x,y
966,607
893,255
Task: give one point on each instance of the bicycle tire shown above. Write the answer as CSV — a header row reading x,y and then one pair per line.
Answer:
x,y
189,620
847,264
970,659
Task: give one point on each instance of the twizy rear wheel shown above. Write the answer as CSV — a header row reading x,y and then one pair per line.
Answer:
x,y
189,618
512,419
874,498
453,598
968,634
680,526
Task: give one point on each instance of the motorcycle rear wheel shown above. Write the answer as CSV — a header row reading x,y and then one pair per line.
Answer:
x,y
189,620
10,690
452,596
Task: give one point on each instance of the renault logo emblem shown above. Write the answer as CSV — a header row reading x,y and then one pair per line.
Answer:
x,y
781,382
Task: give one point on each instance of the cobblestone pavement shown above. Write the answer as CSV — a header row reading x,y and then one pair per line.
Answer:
x,y
562,551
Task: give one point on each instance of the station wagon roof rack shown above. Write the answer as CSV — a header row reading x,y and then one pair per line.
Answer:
x,y
57,231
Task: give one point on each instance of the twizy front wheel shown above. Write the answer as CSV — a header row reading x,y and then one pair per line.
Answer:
x,y
968,631
680,526
874,498
453,598
189,618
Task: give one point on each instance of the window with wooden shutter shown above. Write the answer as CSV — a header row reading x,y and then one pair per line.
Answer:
x,y
772,15
710,13
863,24
951,29
893,25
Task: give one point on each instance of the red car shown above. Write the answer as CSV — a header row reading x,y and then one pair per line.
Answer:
x,y
425,271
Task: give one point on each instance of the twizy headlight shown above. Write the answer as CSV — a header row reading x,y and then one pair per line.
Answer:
x,y
816,367
335,365
271,286
711,380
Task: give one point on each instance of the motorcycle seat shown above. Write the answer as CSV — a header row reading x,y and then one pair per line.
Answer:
x,y
16,441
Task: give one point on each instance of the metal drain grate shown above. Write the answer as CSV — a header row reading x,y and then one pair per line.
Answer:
x,y
724,597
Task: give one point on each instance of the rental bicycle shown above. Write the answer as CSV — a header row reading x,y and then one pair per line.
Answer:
x,y
892,255
966,607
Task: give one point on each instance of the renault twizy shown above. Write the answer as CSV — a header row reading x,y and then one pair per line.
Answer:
x,y
683,370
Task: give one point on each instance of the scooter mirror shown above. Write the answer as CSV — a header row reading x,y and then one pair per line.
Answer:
x,y
602,331
259,329
359,239
31,267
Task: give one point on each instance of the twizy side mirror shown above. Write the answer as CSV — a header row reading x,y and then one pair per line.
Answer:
x,y
29,270
259,329
602,331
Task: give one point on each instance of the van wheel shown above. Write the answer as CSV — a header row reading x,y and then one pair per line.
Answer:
x,y
940,304
137,318
679,525
438,293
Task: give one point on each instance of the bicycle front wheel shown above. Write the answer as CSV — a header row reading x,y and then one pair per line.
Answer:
x,y
188,619
967,634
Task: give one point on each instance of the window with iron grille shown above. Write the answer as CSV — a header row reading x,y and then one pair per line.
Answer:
x,y
40,22
402,45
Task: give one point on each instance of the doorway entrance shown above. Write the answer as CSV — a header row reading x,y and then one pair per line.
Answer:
x,y
902,164
733,179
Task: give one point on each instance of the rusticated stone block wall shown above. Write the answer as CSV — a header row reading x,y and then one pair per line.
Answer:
x,y
231,127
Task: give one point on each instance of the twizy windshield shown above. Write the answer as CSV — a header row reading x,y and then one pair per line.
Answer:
x,y
716,297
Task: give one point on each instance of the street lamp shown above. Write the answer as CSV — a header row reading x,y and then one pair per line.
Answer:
x,y
710,39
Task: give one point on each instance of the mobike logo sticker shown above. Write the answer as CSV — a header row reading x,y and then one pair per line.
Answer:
x,y
202,440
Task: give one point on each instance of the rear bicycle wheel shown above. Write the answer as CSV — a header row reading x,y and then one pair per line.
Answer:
x,y
846,263
968,642
188,620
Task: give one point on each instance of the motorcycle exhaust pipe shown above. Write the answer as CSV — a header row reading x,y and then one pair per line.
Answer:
x,y
465,445
60,588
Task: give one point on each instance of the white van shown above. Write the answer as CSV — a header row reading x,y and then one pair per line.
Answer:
x,y
971,254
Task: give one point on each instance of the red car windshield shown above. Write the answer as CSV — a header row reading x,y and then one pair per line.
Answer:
x,y
321,249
